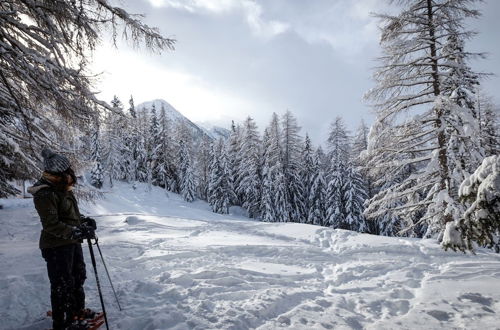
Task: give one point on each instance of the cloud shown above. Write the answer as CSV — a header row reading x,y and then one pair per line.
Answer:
x,y
345,25
215,6
251,11
260,27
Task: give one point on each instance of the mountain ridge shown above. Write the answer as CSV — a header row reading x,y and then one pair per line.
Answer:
x,y
197,129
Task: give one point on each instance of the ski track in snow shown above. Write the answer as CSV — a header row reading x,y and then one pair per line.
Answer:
x,y
178,266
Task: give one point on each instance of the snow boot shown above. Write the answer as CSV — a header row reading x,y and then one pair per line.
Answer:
x,y
87,314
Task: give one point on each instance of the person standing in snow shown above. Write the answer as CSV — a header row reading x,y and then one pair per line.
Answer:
x,y
63,229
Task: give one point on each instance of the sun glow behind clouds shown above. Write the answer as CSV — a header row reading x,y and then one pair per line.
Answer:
x,y
125,73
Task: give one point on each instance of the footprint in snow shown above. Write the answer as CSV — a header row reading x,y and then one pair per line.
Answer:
x,y
476,298
440,315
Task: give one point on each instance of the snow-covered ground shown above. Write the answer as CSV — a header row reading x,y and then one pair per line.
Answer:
x,y
176,265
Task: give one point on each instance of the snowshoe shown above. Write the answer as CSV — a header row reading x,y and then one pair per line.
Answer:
x,y
87,314
93,324
87,320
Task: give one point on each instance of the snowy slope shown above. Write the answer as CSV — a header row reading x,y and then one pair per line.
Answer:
x,y
178,266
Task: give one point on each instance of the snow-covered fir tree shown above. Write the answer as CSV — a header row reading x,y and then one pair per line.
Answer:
x,y
131,108
97,172
317,192
132,140
479,225
275,202
292,148
219,190
248,187
234,159
489,125
162,151
360,140
117,153
154,146
359,146
338,155
423,71
203,163
354,196
276,177
335,214
267,212
186,173
307,174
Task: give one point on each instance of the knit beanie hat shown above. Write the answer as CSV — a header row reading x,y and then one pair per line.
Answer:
x,y
53,162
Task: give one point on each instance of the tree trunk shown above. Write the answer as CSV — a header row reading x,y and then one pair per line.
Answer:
x,y
441,138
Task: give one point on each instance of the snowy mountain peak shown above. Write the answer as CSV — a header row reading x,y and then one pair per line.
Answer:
x,y
171,112
198,131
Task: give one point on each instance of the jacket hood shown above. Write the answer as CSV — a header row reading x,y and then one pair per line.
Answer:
x,y
37,187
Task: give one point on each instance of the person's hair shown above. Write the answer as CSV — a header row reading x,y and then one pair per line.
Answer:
x,y
71,173
64,182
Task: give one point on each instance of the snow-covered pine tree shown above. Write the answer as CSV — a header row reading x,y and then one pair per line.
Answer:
x,y
292,148
44,76
203,163
249,170
324,162
335,214
317,192
338,155
142,129
413,78
354,196
131,109
359,146
219,190
214,174
132,141
338,144
307,174
490,128
234,160
167,165
267,212
97,173
464,151
480,222
360,140
155,146
186,173
117,153
275,179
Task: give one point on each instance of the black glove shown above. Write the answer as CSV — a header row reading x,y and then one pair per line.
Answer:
x,y
89,222
82,232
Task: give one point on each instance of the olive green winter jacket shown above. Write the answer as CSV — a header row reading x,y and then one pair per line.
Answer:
x,y
59,214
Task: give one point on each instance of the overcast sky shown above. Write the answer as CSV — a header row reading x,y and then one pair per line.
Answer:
x,y
239,58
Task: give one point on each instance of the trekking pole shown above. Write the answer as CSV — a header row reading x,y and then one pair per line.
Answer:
x,y
109,277
97,281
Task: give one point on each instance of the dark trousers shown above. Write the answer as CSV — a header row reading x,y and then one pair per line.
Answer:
x,y
66,269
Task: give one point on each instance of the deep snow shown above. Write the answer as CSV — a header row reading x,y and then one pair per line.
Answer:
x,y
177,265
